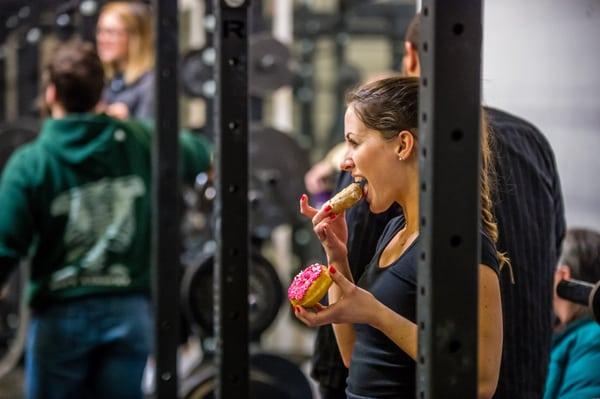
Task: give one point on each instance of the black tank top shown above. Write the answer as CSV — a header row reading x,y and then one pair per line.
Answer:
x,y
379,368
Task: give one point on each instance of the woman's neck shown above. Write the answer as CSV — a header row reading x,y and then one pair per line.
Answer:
x,y
119,66
410,208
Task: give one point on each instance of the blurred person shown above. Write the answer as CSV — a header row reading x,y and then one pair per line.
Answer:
x,y
320,178
124,41
76,202
374,321
575,357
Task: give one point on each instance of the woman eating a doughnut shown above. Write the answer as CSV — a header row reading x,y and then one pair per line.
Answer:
x,y
374,318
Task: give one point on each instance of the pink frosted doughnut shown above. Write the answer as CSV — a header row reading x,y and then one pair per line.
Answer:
x,y
309,286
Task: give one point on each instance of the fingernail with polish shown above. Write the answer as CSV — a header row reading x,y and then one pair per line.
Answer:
x,y
303,198
332,270
327,208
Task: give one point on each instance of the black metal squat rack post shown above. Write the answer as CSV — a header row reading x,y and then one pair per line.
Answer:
x,y
449,121
231,266
165,196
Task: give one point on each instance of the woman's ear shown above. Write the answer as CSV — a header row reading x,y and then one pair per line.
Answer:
x,y
410,61
405,144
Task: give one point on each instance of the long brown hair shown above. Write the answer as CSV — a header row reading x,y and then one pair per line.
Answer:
x,y
137,19
391,105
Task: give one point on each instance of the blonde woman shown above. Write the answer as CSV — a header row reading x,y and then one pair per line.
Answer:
x,y
124,42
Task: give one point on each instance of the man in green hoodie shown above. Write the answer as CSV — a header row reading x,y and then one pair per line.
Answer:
x,y
76,202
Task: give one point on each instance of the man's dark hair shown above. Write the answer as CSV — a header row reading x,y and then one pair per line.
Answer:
x,y
76,72
413,31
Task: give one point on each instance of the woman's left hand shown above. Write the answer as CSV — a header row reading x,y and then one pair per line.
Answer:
x,y
330,228
117,110
356,305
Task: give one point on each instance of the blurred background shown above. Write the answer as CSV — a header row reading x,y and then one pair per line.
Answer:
x,y
540,61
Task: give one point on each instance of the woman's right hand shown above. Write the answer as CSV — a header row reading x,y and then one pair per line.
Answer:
x,y
330,228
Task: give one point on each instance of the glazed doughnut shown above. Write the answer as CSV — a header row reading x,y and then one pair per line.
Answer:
x,y
309,286
346,198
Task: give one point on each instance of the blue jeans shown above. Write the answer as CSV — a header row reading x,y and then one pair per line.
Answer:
x,y
93,347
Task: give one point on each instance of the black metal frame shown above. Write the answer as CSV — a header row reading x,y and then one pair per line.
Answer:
x,y
231,266
2,82
449,122
166,199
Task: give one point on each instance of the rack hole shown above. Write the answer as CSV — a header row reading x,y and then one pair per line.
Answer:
x,y
454,346
458,29
456,135
455,240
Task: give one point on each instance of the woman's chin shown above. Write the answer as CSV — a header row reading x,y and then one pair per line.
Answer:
x,y
376,206
373,207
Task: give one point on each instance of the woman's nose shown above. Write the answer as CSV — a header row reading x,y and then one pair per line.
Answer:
x,y
347,164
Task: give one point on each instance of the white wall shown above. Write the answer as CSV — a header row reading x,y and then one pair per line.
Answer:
x,y
542,62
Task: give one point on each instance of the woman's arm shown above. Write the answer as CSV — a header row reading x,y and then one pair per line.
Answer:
x,y
344,332
490,332
399,329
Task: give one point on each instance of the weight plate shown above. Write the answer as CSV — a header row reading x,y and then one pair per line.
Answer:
x,y
197,73
265,294
271,377
14,320
277,167
269,67
276,181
